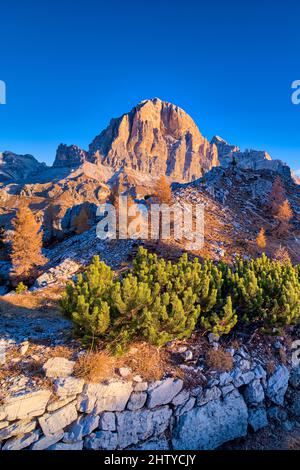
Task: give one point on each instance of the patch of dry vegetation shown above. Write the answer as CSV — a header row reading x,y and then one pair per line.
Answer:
x,y
94,367
220,360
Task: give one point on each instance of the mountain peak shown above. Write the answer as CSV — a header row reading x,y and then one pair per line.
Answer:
x,y
155,137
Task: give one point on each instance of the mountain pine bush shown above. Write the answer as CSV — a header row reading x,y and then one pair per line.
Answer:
x,y
160,301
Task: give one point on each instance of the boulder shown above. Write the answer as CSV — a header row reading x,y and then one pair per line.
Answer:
x,y
137,400
102,440
62,446
254,392
208,395
135,426
163,392
258,418
16,429
58,367
68,386
25,405
21,442
277,385
211,425
83,426
107,421
105,397
52,423
46,441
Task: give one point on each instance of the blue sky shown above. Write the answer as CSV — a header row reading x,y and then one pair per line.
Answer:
x,y
70,66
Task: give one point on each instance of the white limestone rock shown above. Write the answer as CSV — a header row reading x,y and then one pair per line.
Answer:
x,y
68,386
163,392
137,400
258,418
211,425
105,397
254,393
26,404
102,440
107,421
19,443
278,384
46,441
135,426
16,429
52,423
58,367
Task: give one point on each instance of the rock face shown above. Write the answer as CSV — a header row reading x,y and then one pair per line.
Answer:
x,y
69,156
15,167
209,426
157,138
248,160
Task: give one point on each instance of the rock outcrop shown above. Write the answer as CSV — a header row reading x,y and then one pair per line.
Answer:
x,y
99,415
69,156
157,138
249,159
14,168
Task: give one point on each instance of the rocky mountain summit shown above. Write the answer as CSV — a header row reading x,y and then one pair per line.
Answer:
x,y
158,138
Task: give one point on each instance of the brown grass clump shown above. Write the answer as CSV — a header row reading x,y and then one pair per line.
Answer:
x,y
94,367
271,367
220,360
145,360
60,351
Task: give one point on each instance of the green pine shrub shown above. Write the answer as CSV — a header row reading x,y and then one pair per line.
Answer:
x,y
159,301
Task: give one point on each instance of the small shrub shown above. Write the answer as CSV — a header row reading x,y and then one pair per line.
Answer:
x,y
21,288
220,360
94,367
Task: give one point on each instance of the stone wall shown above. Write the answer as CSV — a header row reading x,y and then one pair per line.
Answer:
x,y
133,414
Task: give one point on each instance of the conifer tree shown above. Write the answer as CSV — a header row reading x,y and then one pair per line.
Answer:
x,y
162,191
277,195
261,239
26,250
284,216
50,221
82,221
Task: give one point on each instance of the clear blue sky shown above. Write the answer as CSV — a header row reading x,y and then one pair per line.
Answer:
x,y
70,66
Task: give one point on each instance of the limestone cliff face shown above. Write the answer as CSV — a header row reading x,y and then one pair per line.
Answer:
x,y
156,138
69,156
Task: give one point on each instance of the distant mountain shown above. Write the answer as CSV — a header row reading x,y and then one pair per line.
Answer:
x,y
249,159
15,167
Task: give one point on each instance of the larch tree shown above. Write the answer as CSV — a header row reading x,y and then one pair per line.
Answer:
x,y
261,239
284,216
277,196
26,246
82,221
162,191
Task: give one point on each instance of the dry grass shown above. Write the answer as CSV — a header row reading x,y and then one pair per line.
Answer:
x,y
220,360
271,367
60,351
95,367
145,360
